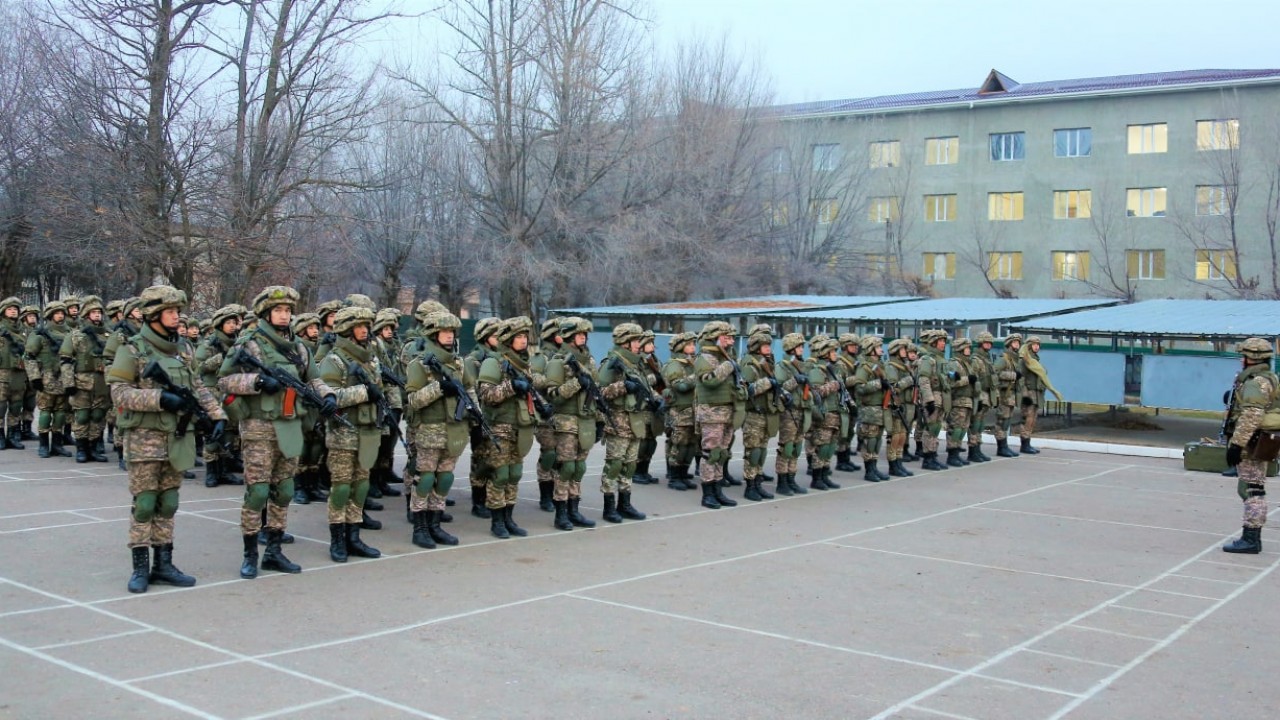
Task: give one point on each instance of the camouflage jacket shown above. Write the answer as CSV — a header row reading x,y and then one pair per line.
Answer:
x,y
13,342
564,389
336,371
788,372
283,353
43,361
935,386
210,354
83,363
426,402
1008,377
616,367
758,372
681,381
714,369
1256,390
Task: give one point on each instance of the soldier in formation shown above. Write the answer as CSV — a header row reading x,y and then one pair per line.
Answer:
x,y
13,378
84,377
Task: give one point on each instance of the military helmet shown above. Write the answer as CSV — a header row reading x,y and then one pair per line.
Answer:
x,y
757,340
302,321
358,300
760,328
679,340
274,295
386,317
847,339
184,319
428,307
158,298
985,336
716,329
1011,337
72,301
647,337
932,335
437,321
205,325
227,312
550,329
626,332
349,317
9,302
511,327
1033,339
1255,349
487,328
791,341
28,310
898,345
113,307
821,345
570,326
869,342
961,343
52,307
325,309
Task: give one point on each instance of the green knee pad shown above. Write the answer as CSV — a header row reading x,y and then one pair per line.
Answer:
x,y
98,416
872,445
167,506
756,456
717,456
787,450
255,496
502,476
628,469
581,472
81,417
569,470
932,429
426,481
955,436
359,491
547,459
613,468
46,419
282,493
339,496
444,481
826,452
513,474
144,506
59,419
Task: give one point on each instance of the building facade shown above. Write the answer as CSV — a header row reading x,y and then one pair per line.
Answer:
x,y
1163,185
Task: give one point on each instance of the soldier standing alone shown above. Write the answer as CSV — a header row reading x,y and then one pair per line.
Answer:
x,y
1255,393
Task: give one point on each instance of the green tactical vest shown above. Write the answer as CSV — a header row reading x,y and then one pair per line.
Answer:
x,y
558,374
417,376
515,409
141,349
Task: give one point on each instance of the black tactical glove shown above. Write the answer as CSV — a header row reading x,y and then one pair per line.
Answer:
x,y
955,375
1026,402
973,379
521,385
172,403
37,384
374,392
599,431
70,390
330,406
214,436
802,380
1018,374
885,384
449,389
632,385
1226,398
1234,455
267,385
584,379
930,406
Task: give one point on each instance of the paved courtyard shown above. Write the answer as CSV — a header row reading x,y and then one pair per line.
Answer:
x,y
1074,585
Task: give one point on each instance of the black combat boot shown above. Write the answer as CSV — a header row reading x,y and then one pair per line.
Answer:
x,y
508,519
273,557
211,471
264,535
626,509
931,462
816,482
764,477
641,476
610,513
676,477
1249,542
1003,450
373,505
56,444
314,489
793,487
545,490
761,491
953,458
438,533
369,523
27,434
98,450
356,546
300,482
576,517
249,568
974,455
388,481
709,496
844,463
729,479
141,576
15,439
4,441
43,450
497,524
163,570
919,455
721,497
562,515
421,536
750,493
783,488
1026,448
826,479
897,469
478,508
870,474
375,488
338,542
120,457
982,457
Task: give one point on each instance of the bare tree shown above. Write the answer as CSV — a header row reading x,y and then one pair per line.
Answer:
x,y
984,252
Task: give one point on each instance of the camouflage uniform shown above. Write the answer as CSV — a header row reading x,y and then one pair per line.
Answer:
x,y
985,397
935,393
766,402
872,391
546,432
506,389
847,361
159,443
655,420
1008,390
682,435
570,376
1033,389
1254,396
792,373
388,348
903,401
28,318
963,391
830,419
719,407
13,379
209,356
43,363
626,385
483,452
307,480
83,368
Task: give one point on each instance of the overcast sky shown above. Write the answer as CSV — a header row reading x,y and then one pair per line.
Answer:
x,y
829,49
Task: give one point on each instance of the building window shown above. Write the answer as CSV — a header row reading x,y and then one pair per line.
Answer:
x,y
939,208
883,209
1004,206
1217,134
1071,204
826,157
1070,265
880,264
1215,265
776,214
1153,138
885,154
1072,142
825,210
779,163
940,266
942,151
1004,266
1145,202
1145,264
1211,200
1008,146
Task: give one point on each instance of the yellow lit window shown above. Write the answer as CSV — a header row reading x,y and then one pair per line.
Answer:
x,y
1145,202
826,157
1070,265
1004,266
940,266
1069,204
776,214
1211,200
885,154
1153,138
1145,264
942,151
1215,265
883,209
1217,134
1004,206
825,211
939,208
880,264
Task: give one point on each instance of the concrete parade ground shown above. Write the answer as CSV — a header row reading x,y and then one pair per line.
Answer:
x,y
1065,585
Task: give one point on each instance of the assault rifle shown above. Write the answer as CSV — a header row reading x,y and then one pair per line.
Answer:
x,y
1228,399
646,396
191,404
15,347
389,376
466,406
303,390
592,390
846,400
386,418
659,382
537,403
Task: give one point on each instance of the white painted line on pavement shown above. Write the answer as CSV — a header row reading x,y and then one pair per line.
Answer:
x,y
984,566
86,641
1151,612
1117,633
184,671
940,713
1098,520
302,707
1070,657
1205,579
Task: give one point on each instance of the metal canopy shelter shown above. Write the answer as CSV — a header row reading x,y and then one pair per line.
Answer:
x,y
1153,320
691,315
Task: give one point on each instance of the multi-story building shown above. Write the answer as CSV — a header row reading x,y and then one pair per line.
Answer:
x,y
1134,186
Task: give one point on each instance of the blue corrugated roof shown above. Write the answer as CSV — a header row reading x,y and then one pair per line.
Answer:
x,y
952,310
1176,318
735,306
1049,88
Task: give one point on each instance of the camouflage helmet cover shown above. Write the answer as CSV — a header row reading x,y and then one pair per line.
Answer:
x,y
52,307
757,340
572,325
10,302
791,341
847,339
386,317
716,329
1012,337
1255,349
513,327
72,301
679,340
113,307
760,328
821,344
487,328
28,310
274,295
1033,339
325,309
428,307
437,321
158,298
350,317
961,344
985,337
550,329
898,345
302,321
358,300
90,302
626,332
869,342
233,311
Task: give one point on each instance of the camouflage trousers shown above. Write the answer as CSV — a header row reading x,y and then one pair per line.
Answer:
x,y
716,422
434,466
897,432
1004,420
1252,477
89,413
1028,427
755,443
154,487
572,462
977,424
929,429
12,388
53,411
682,437
546,437
482,460
226,449
870,438
958,427
268,484
349,487
621,453
823,439
790,442
503,488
